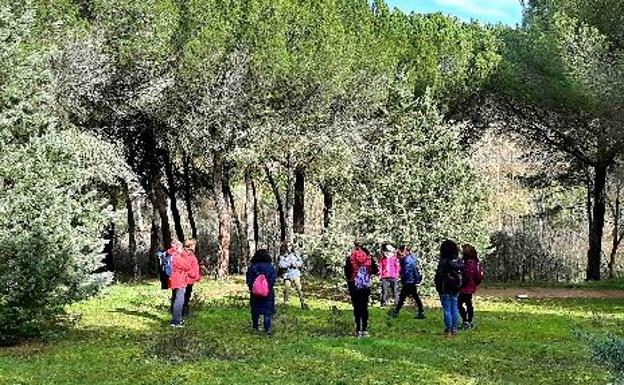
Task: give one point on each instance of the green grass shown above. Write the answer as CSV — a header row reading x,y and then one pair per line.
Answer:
x,y
607,284
122,337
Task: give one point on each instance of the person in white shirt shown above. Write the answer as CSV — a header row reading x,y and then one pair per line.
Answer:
x,y
290,265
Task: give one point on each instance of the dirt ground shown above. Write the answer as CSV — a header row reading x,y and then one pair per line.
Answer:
x,y
549,293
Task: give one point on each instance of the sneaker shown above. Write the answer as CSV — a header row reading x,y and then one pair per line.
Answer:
x,y
420,315
269,332
446,333
364,334
463,326
357,334
453,332
471,325
304,307
393,314
180,325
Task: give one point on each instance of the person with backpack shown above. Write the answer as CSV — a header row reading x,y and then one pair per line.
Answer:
x,y
178,280
290,265
472,277
389,268
190,245
448,282
411,277
359,269
261,277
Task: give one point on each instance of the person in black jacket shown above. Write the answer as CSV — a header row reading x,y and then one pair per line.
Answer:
x,y
359,269
448,282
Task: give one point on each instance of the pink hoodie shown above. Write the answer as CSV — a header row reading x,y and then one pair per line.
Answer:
x,y
389,267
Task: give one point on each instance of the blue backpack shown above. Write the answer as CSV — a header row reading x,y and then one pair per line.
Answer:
x,y
362,278
411,270
166,268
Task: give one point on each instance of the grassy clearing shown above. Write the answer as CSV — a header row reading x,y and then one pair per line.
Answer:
x,y
122,338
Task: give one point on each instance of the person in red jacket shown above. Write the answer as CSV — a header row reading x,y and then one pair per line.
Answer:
x,y
190,245
359,268
178,281
472,277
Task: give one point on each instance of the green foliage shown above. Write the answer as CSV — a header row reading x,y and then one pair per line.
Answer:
x,y
609,352
413,184
51,216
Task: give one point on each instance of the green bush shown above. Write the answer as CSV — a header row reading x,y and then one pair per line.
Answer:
x,y
609,351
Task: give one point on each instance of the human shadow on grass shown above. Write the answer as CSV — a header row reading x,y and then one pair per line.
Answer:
x,y
139,313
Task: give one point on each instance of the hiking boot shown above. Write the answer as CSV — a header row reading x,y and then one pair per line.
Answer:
x,y
420,315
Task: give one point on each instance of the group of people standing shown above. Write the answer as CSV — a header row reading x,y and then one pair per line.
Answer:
x,y
456,280
182,273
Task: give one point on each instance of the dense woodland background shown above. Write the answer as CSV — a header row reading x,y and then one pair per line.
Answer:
x,y
246,124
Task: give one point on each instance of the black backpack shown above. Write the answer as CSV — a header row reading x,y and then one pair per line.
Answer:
x,y
453,278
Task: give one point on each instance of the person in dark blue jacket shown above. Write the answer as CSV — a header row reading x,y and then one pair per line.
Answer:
x,y
411,277
262,306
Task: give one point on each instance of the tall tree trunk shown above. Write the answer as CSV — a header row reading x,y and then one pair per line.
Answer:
x,y
240,234
256,226
280,204
223,212
160,203
290,189
594,252
250,217
617,237
188,195
131,231
172,192
154,241
109,257
299,205
328,206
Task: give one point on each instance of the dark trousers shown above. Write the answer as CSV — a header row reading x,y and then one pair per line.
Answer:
x,y
255,320
466,312
359,299
177,303
187,299
409,291
387,285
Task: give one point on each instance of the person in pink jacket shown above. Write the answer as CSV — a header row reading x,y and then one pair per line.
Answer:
x,y
178,281
389,270
194,276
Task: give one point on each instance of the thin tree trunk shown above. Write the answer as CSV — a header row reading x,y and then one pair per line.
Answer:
x,y
617,238
594,253
256,226
160,203
154,240
172,193
299,205
131,232
240,234
328,206
250,218
223,212
188,195
280,205
109,258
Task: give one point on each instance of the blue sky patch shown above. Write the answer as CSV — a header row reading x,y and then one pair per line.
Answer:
x,y
486,11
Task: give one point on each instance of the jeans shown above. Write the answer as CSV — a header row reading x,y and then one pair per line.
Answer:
x,y
468,312
187,299
177,304
451,312
296,281
411,291
359,299
255,321
388,284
